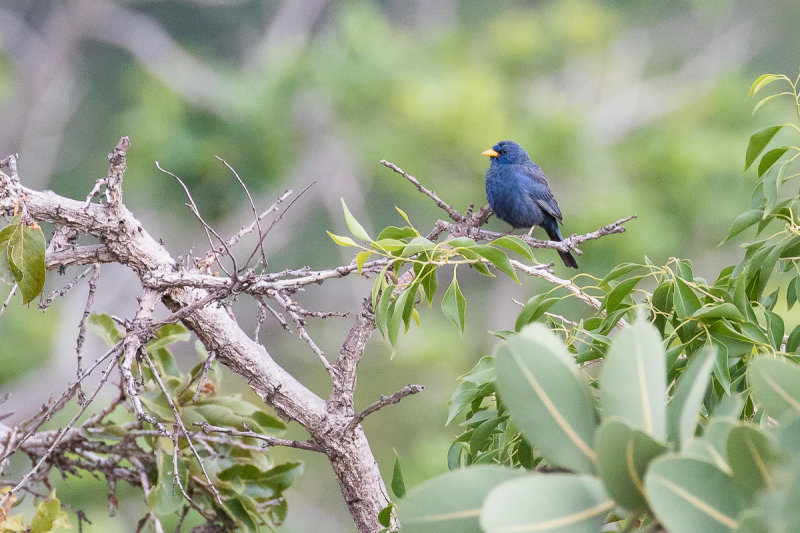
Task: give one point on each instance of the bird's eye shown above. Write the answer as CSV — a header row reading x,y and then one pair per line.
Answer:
x,y
503,151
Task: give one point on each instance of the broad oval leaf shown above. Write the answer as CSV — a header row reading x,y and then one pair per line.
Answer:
x,y
758,141
776,385
689,495
514,243
750,456
683,409
623,455
26,251
451,502
549,402
563,503
633,380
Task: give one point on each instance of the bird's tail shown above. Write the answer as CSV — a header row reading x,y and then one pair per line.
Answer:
x,y
555,235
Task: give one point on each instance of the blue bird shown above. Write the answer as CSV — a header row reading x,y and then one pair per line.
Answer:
x,y
519,194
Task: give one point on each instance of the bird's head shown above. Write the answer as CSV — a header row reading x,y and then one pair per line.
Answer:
x,y
507,152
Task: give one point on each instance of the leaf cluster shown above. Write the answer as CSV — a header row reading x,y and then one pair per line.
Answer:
x,y
251,484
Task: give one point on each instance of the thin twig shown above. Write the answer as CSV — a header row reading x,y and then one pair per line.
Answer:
x,y
179,421
256,219
60,435
8,299
207,227
280,216
408,390
453,212
66,288
82,327
269,441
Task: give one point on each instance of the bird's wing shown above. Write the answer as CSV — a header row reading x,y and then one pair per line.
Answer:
x,y
539,190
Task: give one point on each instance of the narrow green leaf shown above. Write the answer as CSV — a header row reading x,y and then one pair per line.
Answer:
x,y
498,258
451,502
633,379
619,270
398,484
454,304
769,158
758,141
618,293
623,455
762,81
385,516
685,300
353,225
341,240
688,495
403,214
515,244
382,310
768,99
534,308
429,282
565,503
683,410
550,403
744,221
712,312
396,315
361,258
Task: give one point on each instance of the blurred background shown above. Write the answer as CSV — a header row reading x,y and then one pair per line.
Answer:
x,y
631,107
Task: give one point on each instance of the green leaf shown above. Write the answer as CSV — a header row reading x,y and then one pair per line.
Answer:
x,y
561,503
389,245
164,498
776,385
712,312
762,81
49,517
686,301
454,304
25,252
633,379
451,502
750,454
105,327
382,309
744,221
397,312
688,397
623,455
361,258
398,484
769,158
417,245
385,516
355,228
515,244
498,258
461,242
619,270
618,293
166,335
534,308
711,446
395,233
758,141
429,281
688,495
341,240
547,399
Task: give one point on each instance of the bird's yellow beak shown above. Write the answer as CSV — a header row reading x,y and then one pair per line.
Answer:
x,y
490,153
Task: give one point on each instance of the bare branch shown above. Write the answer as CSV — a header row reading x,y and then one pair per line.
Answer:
x,y
408,390
205,427
453,212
